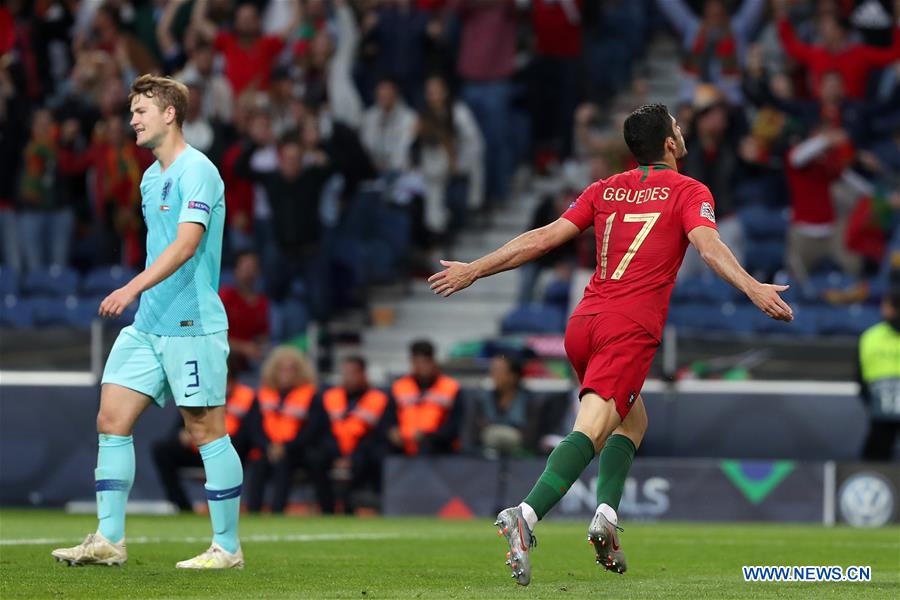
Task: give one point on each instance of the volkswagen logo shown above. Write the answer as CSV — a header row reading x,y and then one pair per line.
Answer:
x,y
866,500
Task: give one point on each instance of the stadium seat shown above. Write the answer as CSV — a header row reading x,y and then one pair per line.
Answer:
x,y
9,281
557,294
765,256
294,319
762,223
16,312
393,227
534,318
103,280
846,320
55,281
736,317
703,289
51,310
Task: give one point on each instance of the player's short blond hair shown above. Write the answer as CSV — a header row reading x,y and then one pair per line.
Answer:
x,y
164,91
305,372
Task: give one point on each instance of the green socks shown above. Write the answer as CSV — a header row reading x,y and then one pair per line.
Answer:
x,y
615,461
564,465
113,478
224,476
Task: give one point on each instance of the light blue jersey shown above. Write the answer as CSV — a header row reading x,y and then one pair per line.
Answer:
x,y
187,302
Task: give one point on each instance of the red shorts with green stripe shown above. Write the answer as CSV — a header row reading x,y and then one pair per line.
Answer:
x,y
611,355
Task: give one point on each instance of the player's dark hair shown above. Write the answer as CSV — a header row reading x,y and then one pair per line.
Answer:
x,y
422,348
356,359
646,130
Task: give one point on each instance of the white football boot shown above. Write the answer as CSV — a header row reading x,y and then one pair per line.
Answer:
x,y
214,558
94,550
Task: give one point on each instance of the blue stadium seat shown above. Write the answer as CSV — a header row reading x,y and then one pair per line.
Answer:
x,y
534,318
766,256
9,281
294,319
703,289
805,323
847,320
393,227
16,312
55,281
298,290
276,322
693,316
51,310
557,294
761,223
103,280
736,318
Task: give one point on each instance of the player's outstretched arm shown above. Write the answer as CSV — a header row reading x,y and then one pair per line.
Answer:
x,y
721,260
518,251
176,254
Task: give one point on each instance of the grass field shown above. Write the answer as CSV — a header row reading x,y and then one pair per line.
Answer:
x,y
424,558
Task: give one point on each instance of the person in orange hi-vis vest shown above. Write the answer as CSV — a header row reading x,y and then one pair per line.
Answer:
x,y
177,451
356,412
425,412
293,432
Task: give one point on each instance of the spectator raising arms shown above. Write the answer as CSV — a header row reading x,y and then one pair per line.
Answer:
x,y
249,55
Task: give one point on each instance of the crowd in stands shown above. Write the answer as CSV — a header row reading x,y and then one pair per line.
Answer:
x,y
291,428
791,116
357,138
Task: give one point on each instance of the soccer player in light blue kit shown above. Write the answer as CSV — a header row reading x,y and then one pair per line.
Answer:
x,y
178,345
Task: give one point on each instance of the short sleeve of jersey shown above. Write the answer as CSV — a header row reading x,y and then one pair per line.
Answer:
x,y
199,187
581,212
697,208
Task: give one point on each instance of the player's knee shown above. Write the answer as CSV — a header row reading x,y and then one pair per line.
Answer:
x,y
110,423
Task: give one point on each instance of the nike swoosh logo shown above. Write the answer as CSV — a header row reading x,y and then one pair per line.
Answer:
x,y
220,496
189,395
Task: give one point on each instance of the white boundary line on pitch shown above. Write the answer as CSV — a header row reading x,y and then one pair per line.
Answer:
x,y
261,538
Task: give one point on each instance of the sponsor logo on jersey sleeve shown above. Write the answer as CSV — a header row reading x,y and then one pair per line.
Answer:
x,y
198,205
706,210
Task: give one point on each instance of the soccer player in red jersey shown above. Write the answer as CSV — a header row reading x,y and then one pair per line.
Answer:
x,y
644,220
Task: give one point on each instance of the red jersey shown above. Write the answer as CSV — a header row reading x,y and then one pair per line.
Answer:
x,y
641,218
247,321
248,66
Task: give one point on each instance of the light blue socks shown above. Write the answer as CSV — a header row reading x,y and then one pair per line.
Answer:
x,y
114,476
224,476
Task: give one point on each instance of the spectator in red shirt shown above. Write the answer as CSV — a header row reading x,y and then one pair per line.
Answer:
x,y
487,52
557,31
249,55
248,311
855,62
811,167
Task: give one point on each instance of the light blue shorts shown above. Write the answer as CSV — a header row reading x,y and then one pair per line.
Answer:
x,y
192,369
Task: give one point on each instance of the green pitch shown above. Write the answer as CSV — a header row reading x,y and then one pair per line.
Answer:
x,y
425,558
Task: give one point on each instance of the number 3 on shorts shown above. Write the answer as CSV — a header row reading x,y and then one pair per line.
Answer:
x,y
192,375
